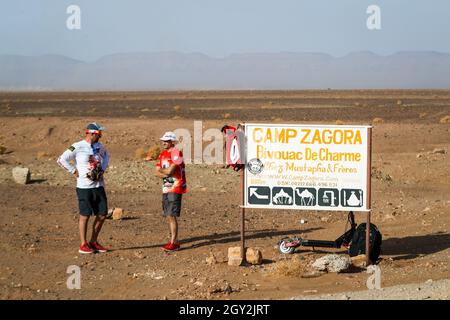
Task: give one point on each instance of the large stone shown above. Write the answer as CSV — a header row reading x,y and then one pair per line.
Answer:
x,y
332,263
445,119
21,175
115,213
211,259
377,120
234,256
359,261
439,151
253,256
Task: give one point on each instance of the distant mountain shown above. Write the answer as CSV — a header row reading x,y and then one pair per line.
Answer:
x,y
174,70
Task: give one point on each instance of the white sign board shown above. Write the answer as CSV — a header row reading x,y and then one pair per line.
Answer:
x,y
308,167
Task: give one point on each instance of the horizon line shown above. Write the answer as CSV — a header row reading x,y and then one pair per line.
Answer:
x,y
226,56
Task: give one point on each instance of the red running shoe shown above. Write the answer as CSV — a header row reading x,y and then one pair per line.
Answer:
x,y
98,247
171,246
85,249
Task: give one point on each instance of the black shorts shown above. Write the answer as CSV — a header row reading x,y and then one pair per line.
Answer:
x,y
92,201
171,203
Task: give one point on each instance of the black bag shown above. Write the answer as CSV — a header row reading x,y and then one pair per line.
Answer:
x,y
358,244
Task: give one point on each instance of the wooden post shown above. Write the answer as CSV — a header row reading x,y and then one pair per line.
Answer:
x,y
243,214
369,184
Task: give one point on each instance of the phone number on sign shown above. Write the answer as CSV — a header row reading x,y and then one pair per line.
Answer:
x,y
307,184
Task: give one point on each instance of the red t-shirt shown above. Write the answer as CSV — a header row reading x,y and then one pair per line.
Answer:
x,y
177,182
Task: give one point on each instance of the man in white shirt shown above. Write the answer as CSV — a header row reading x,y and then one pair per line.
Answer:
x,y
90,160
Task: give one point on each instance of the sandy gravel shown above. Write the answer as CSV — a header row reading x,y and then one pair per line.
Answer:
x,y
429,290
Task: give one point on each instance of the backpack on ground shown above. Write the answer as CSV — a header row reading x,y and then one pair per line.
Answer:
x,y
358,243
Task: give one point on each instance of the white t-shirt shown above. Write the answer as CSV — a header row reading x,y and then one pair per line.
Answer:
x,y
85,155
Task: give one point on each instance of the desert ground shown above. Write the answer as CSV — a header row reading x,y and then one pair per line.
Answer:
x,y
39,221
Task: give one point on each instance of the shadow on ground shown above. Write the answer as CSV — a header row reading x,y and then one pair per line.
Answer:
x,y
415,246
220,238
37,181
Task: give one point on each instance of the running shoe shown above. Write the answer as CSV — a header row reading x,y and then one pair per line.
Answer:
x,y
85,249
98,247
171,246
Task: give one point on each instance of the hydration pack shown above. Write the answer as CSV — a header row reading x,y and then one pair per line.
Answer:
x,y
358,243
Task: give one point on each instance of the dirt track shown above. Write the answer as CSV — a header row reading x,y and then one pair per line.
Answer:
x,y
411,196
430,290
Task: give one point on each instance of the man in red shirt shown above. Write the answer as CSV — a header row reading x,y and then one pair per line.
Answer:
x,y
170,167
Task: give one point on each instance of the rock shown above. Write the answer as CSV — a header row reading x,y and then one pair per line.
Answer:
x,y
213,289
309,291
388,216
139,254
438,151
377,120
359,261
115,213
332,263
21,175
227,289
426,209
234,256
312,274
216,288
253,256
445,119
211,259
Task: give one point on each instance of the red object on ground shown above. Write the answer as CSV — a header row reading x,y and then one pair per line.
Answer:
x,y
171,246
85,249
97,247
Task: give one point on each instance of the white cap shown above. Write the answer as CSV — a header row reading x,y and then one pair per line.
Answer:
x,y
94,126
169,136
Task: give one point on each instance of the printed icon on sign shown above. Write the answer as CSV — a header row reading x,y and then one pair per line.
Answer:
x,y
282,196
328,197
352,197
255,166
305,197
259,195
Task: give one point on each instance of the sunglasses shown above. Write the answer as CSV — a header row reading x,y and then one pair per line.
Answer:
x,y
97,132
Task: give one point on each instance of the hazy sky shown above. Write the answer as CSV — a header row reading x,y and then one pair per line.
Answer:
x,y
218,28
